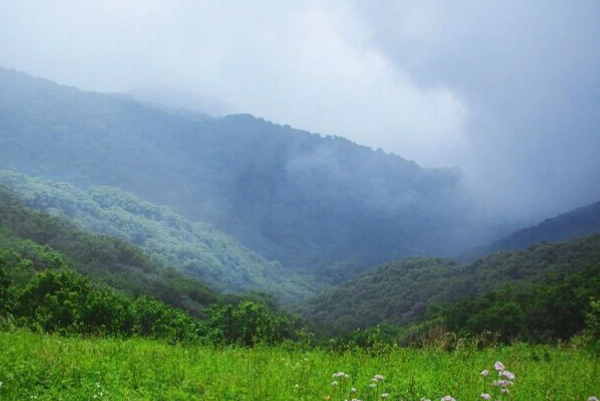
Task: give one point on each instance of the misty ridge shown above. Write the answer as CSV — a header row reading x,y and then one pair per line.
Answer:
x,y
318,204
305,200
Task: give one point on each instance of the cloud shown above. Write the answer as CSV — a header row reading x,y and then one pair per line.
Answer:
x,y
528,72
506,89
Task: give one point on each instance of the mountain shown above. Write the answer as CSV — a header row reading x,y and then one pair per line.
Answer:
x,y
401,292
178,101
577,223
168,238
323,206
34,236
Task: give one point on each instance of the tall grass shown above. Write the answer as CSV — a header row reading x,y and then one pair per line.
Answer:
x,y
46,367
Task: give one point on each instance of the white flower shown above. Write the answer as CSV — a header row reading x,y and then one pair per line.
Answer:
x,y
378,378
385,395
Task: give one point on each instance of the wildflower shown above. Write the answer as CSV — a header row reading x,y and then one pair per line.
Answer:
x,y
353,390
505,391
340,375
507,374
385,395
592,398
378,378
448,398
485,396
499,366
485,372
334,383
372,385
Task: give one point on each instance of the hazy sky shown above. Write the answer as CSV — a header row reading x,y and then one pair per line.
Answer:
x,y
507,89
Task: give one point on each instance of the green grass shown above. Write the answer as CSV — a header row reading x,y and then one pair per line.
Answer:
x,y
47,367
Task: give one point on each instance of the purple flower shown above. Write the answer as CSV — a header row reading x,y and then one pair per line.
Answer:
x,y
499,366
507,374
447,398
485,396
505,391
485,372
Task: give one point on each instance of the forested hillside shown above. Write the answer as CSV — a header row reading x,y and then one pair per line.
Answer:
x,y
576,223
168,238
401,292
55,278
318,204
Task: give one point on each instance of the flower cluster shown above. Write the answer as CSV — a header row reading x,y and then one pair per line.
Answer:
x,y
505,380
340,375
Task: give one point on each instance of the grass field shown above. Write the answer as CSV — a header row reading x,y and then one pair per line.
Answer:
x,y
34,366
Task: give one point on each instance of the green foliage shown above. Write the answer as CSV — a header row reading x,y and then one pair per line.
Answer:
x,y
248,323
106,260
557,309
168,238
38,291
402,292
59,300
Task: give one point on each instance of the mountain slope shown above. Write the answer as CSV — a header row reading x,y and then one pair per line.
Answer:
x,y
400,292
322,205
170,239
576,223
109,261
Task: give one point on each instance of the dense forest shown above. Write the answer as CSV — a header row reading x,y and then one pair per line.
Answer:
x,y
408,291
168,238
78,283
318,204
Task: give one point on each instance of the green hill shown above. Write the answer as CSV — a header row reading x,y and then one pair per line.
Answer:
x,y
168,238
401,292
109,261
576,223
320,205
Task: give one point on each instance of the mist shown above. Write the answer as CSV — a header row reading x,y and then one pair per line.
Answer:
x,y
509,91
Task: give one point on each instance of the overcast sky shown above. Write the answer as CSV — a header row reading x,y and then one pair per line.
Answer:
x,y
509,90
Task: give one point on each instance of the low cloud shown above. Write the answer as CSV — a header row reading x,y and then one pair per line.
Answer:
x,y
508,90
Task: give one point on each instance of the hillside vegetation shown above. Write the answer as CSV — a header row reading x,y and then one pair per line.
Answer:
x,y
401,292
322,205
168,238
576,223
54,278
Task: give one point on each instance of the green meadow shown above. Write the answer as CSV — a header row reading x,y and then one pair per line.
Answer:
x,y
51,367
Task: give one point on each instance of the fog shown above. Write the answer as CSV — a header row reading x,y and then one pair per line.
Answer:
x,y
508,90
